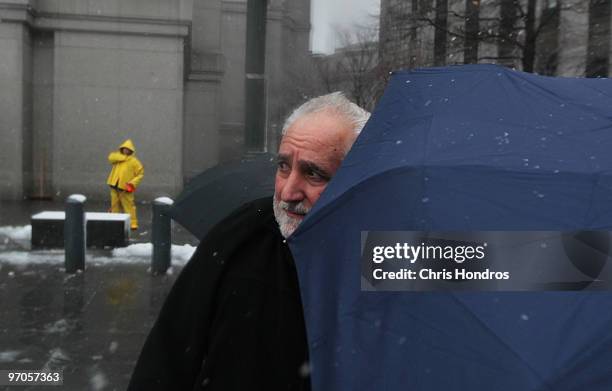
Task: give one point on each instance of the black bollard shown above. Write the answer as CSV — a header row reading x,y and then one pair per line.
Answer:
x,y
162,239
74,234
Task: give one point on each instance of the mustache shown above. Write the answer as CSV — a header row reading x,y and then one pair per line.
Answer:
x,y
294,207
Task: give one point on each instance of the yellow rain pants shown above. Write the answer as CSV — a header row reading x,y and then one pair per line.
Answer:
x,y
123,202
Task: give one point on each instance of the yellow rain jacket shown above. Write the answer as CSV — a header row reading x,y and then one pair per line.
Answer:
x,y
126,169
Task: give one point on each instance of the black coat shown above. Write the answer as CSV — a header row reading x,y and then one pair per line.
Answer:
x,y
233,319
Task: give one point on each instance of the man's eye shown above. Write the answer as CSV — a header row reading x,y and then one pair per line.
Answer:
x,y
283,166
315,176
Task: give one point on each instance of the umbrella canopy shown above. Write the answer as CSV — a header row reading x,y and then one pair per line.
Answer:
x,y
216,192
470,148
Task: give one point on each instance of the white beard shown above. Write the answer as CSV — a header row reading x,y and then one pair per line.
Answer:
x,y
286,223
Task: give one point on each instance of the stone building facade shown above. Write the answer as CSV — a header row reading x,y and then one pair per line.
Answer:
x,y
78,77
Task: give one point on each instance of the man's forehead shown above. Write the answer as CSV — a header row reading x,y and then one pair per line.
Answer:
x,y
324,122
322,160
321,130
319,150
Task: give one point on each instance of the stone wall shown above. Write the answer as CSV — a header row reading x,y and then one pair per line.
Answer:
x,y
78,77
15,102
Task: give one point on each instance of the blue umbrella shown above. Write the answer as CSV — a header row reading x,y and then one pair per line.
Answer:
x,y
470,148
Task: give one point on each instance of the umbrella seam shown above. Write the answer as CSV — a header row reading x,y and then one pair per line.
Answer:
x,y
504,343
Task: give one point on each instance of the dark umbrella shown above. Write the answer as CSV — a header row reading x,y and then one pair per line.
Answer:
x,y
216,192
461,149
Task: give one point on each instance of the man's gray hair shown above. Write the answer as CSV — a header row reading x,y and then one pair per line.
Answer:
x,y
335,102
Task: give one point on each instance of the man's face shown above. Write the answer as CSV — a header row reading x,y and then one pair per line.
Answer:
x,y
308,156
126,151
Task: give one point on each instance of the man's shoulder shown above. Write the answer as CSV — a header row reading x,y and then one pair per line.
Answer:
x,y
247,250
247,218
254,219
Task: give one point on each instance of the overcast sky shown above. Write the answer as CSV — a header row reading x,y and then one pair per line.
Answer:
x,y
329,15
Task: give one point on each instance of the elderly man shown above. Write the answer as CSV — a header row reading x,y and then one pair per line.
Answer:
x,y
234,319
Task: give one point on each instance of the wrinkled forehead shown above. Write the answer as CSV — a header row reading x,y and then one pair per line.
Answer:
x,y
324,129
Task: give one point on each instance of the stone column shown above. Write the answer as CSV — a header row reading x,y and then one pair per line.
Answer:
x,y
202,90
15,99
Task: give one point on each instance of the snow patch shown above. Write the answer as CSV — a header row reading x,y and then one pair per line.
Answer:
x,y
17,232
57,358
31,258
164,200
61,326
134,250
9,355
77,198
59,215
182,253
98,216
98,380
137,253
101,261
50,215
113,346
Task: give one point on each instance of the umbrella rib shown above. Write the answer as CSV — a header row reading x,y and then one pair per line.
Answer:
x,y
577,360
431,344
504,343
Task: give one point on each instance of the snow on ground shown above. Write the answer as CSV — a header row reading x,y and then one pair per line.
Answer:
x,y
32,257
98,380
60,327
139,253
57,359
180,254
17,233
9,356
134,250
113,346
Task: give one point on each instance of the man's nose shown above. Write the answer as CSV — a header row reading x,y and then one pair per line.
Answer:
x,y
293,188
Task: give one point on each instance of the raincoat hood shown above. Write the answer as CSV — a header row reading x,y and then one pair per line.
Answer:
x,y
128,144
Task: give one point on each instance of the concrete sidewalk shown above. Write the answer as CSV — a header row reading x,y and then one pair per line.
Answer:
x,y
91,325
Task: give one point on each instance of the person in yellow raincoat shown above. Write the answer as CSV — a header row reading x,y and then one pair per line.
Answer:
x,y
124,178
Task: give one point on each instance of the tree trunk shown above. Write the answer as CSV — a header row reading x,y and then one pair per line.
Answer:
x,y
530,37
505,46
598,50
440,32
472,26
